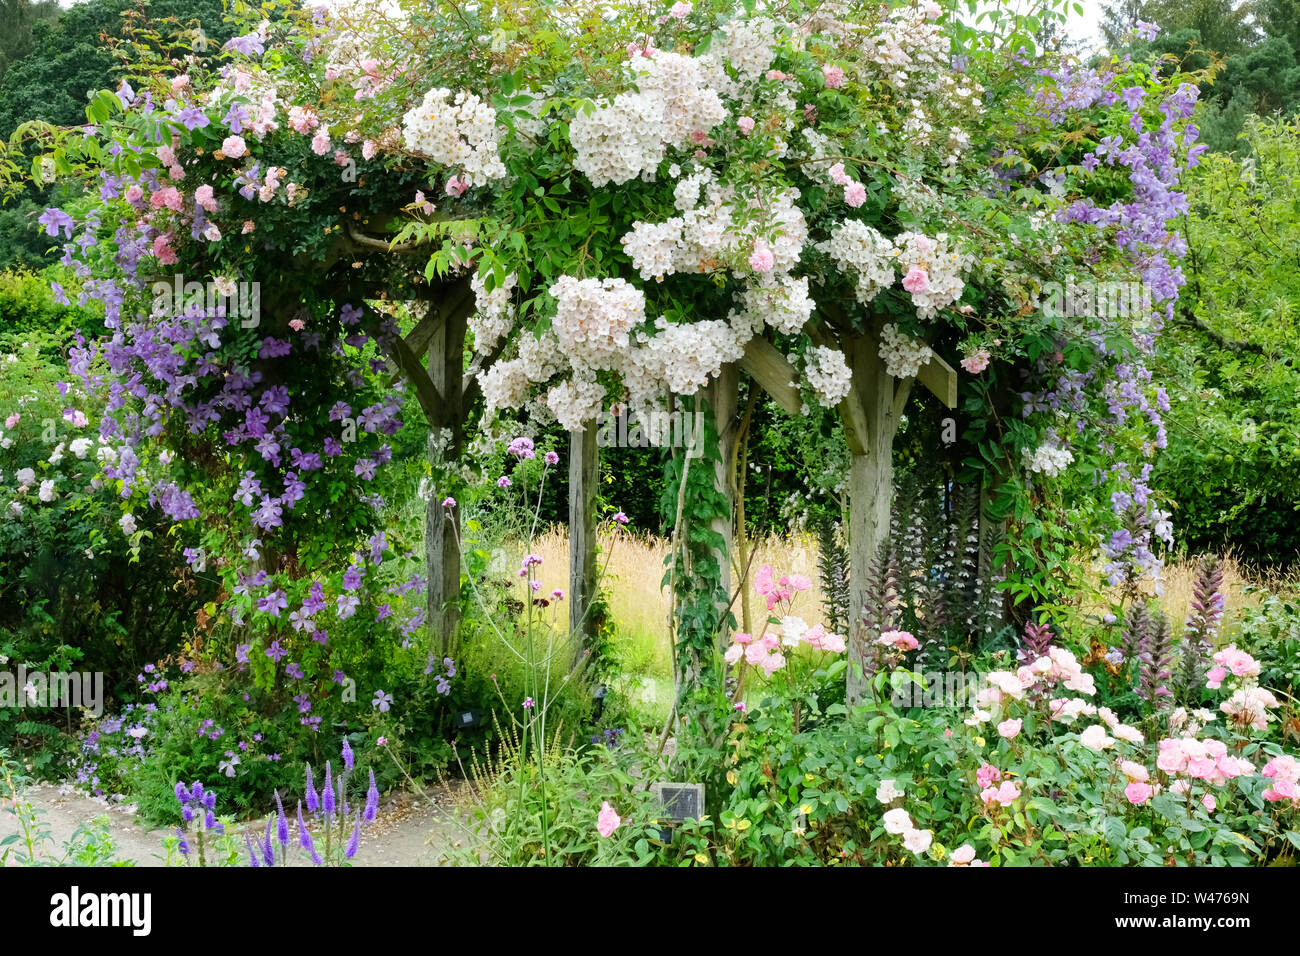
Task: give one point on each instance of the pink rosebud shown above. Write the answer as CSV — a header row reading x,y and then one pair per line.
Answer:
x,y
855,194
761,259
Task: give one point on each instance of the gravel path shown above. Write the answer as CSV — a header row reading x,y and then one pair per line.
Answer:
x,y
409,830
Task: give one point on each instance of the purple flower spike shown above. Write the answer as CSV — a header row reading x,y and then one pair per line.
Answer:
x,y
182,795
304,838
347,755
372,800
327,794
268,848
282,822
351,850
310,847
252,854
313,801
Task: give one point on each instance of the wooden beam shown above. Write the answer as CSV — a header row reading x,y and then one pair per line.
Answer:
x,y
940,379
767,366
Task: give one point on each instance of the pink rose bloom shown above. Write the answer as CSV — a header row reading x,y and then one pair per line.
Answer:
x,y
800,582
1215,678
297,324
234,146
813,636
205,198
772,663
931,10
176,173
833,75
166,155
456,186
742,638
320,143
761,259
1209,802
607,822
12,420
746,124
777,75
900,640
134,194
249,226
679,10
1134,770
987,775
763,580
976,362
754,654
163,250
833,643
962,855
734,653
1138,792
168,197
1009,728
368,149
916,280
855,194
918,841
838,176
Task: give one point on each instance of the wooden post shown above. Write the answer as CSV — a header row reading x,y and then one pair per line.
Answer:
x,y
446,358
871,413
584,473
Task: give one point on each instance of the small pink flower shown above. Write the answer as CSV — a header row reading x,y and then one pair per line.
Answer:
x,y
947,731
134,194
833,75
205,198
838,176
679,10
761,259
529,703
12,420
249,226
1209,802
1009,728
607,822
1138,792
368,149
456,186
855,194
746,124
916,280
234,146
382,741
1214,679
296,324
976,362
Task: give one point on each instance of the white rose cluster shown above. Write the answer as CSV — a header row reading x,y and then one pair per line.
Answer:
x,y
593,318
827,374
575,401
862,251
495,315
461,132
685,356
629,136
714,235
903,355
943,264
781,303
